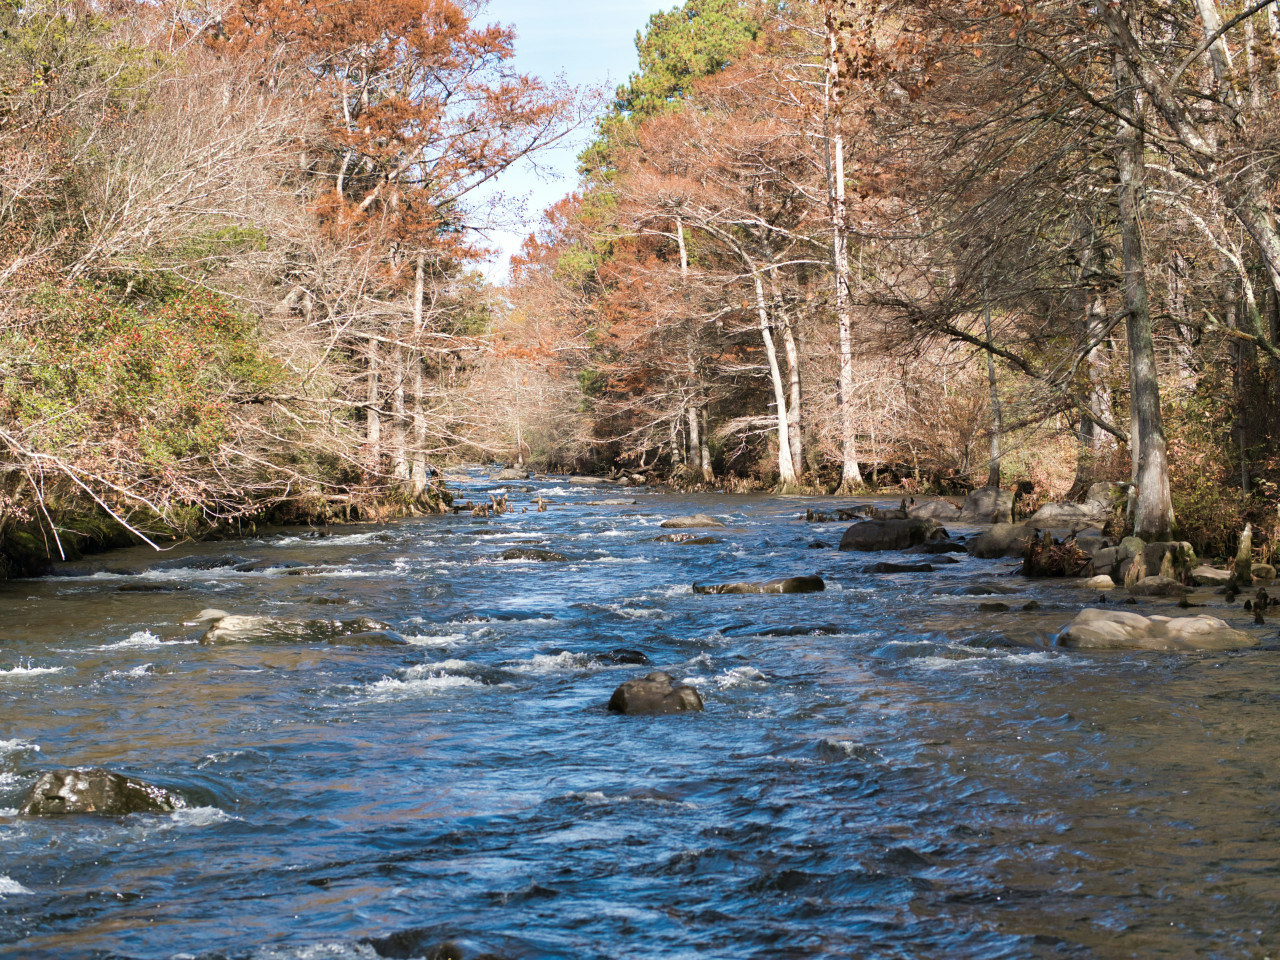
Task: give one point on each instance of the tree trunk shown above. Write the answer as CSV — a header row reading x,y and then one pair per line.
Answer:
x,y
993,470
1153,505
795,424
677,451
708,474
695,442
418,468
786,468
850,475
399,422
372,417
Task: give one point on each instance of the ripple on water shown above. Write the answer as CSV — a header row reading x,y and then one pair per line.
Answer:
x,y
10,887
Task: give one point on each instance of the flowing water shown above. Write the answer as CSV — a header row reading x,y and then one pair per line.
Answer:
x,y
882,770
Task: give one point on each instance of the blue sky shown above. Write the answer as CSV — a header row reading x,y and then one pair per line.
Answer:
x,y
590,43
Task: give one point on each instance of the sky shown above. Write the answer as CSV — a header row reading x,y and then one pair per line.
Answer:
x,y
588,42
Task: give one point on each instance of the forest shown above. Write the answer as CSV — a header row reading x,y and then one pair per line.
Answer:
x,y
815,247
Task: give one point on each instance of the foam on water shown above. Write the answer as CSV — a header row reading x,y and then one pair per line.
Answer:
x,y
10,887
20,672
390,689
200,817
141,670
139,640
546,663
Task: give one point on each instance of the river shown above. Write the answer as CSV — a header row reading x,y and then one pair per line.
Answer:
x,y
881,770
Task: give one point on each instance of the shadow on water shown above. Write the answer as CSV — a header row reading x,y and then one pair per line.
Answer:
x,y
883,769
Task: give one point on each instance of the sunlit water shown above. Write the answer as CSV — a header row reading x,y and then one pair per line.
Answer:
x,y
881,769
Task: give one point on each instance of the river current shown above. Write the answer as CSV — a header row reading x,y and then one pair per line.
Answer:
x,y
882,770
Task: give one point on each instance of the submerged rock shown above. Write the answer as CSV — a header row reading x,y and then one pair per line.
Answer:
x,y
940,547
233,628
655,695
875,535
697,520
97,791
621,655
1095,629
531,553
899,568
809,584
988,505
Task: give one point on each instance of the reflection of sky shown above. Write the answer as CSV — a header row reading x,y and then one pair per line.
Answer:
x,y
590,43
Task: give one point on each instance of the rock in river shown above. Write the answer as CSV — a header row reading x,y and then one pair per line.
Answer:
x,y
873,535
1002,540
940,510
658,693
530,553
988,505
233,628
1095,629
697,520
899,568
1158,587
810,584
95,790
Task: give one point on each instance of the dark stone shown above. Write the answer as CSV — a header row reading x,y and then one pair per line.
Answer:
x,y
810,584
994,606
819,545
530,553
941,546
371,638
97,791
1002,540
899,568
657,694
700,541
1031,605
875,535
201,563
621,655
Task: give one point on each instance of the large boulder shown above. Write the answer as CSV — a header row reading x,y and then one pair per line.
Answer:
x,y
1060,516
1106,493
697,520
941,510
988,505
1158,587
510,473
657,694
873,535
1095,629
94,790
809,584
1207,576
1002,540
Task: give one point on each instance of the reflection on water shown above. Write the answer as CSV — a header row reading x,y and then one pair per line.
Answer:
x,y
882,770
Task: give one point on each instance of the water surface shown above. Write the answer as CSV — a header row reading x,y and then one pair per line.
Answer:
x,y
882,771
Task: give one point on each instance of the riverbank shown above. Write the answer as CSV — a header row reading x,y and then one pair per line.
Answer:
x,y
31,546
